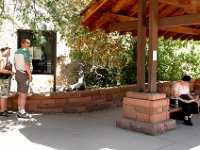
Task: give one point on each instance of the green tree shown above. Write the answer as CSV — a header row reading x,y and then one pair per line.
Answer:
x,y
113,52
176,58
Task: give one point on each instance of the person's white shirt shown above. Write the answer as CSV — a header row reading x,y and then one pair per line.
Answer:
x,y
180,89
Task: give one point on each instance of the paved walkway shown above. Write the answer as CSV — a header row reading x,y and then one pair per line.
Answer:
x,y
90,131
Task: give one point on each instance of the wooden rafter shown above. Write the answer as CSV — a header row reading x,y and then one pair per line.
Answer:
x,y
133,10
180,20
122,4
184,36
123,26
166,23
190,6
180,17
96,6
181,29
93,8
112,18
176,29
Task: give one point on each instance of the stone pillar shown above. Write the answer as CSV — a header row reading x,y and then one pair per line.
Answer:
x,y
146,112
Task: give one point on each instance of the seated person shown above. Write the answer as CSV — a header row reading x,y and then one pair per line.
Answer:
x,y
181,92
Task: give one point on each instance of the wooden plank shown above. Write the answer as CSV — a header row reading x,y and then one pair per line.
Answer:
x,y
122,5
153,45
96,7
178,3
110,17
175,109
181,29
123,26
193,19
164,10
93,7
191,6
141,42
120,18
133,10
169,35
101,22
190,37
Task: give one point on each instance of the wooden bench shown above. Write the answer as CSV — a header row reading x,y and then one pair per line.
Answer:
x,y
176,113
175,109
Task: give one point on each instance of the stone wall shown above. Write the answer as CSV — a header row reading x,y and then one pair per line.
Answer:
x,y
75,101
86,101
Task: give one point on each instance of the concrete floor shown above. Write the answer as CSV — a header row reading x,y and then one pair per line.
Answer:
x,y
90,131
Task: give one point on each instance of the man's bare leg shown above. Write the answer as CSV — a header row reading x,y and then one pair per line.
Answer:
x,y
22,102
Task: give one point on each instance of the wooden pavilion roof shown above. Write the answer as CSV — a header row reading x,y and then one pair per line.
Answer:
x,y
177,18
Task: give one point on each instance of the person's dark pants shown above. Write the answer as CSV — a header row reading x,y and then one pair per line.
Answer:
x,y
189,108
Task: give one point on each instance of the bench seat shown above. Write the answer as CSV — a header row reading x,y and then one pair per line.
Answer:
x,y
174,109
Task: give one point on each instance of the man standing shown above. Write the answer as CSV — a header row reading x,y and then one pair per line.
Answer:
x,y
23,76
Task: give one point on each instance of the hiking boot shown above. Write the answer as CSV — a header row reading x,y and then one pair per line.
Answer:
x,y
5,114
188,123
24,115
9,112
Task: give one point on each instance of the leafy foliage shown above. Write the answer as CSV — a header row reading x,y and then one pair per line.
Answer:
x,y
176,58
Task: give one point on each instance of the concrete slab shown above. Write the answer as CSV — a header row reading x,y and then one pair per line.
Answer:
x,y
90,131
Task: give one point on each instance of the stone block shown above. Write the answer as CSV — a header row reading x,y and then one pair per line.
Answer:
x,y
136,102
145,103
170,124
80,99
148,110
95,97
144,95
159,103
142,117
89,93
165,109
145,127
129,112
65,95
109,91
159,117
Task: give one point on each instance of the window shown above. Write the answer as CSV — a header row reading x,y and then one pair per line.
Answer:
x,y
42,50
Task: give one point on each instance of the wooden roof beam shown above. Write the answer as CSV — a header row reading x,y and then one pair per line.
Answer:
x,y
133,10
177,29
181,29
95,6
190,6
193,19
111,18
180,20
119,18
123,26
121,5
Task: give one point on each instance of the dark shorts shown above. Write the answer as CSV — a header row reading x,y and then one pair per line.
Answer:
x,y
22,82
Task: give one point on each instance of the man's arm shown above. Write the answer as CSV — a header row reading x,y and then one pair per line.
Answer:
x,y
27,66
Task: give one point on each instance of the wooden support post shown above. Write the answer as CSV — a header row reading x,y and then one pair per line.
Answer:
x,y
141,41
153,45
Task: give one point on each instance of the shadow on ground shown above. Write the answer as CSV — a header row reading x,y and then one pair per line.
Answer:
x,y
90,131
